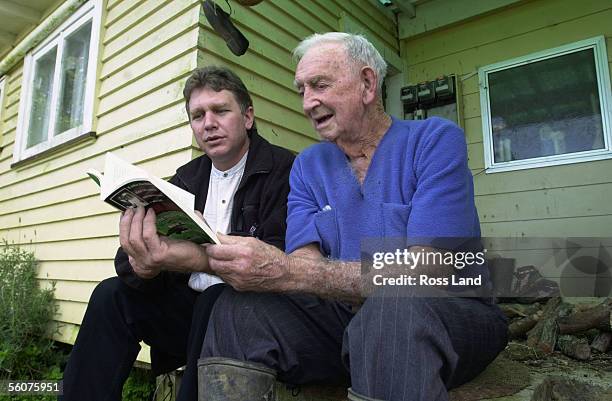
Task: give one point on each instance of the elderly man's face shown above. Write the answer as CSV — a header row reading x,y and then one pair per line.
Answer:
x,y
219,126
331,92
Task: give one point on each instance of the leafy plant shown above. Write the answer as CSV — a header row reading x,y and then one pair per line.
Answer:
x,y
139,386
27,351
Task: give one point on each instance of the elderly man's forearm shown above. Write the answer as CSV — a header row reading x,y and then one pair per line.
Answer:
x,y
333,279
325,278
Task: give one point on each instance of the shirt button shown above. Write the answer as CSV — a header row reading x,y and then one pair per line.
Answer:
x,y
225,174
223,201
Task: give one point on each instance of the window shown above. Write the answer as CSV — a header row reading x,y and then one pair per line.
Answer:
x,y
547,108
58,85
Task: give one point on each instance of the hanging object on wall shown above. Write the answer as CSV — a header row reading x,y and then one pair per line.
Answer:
x,y
224,27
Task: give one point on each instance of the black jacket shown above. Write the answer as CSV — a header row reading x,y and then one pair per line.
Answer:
x,y
259,210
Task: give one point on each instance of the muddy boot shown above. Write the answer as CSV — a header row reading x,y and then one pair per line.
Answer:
x,y
225,379
353,396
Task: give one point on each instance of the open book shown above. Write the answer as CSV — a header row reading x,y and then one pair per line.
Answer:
x,y
125,186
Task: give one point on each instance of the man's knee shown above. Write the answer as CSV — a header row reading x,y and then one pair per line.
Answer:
x,y
245,326
380,316
106,294
237,311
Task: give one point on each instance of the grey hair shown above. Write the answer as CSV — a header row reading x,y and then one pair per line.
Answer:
x,y
358,49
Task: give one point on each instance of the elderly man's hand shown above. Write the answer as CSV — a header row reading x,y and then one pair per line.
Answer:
x,y
248,264
149,253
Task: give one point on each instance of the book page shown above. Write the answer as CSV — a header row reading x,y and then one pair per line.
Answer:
x,y
186,201
118,172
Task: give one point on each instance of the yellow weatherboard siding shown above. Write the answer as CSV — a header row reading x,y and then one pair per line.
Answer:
x,y
50,206
273,29
567,200
149,47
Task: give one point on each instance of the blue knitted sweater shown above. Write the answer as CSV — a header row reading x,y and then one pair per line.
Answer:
x,y
417,185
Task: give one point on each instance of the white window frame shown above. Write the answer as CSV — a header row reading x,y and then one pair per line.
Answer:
x,y
90,11
598,45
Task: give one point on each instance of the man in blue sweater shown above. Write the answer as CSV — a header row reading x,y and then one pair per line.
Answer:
x,y
291,315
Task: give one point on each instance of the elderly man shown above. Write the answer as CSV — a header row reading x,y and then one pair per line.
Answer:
x,y
163,294
289,315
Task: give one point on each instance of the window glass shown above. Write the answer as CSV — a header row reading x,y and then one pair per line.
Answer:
x,y
73,79
544,108
41,97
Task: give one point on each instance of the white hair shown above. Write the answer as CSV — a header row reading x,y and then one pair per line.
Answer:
x,y
358,49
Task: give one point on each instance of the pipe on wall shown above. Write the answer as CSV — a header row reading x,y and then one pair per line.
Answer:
x,y
40,33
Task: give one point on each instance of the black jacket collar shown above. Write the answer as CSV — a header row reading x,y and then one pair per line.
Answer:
x,y
195,174
260,158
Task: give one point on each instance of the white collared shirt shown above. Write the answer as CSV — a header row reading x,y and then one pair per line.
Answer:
x,y
222,186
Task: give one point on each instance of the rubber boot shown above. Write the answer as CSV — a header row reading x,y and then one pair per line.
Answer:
x,y
353,396
225,379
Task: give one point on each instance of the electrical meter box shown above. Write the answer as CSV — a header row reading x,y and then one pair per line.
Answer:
x,y
432,98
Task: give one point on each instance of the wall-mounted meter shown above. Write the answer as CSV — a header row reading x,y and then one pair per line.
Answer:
x,y
426,92
445,88
408,95
431,98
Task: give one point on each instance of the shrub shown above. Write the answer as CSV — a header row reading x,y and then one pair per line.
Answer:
x,y
27,351
26,310
140,386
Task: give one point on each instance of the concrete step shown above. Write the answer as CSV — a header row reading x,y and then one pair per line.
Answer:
x,y
503,380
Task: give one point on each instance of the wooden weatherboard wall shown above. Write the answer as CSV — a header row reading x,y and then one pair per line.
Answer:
x,y
50,206
148,49
274,28
568,200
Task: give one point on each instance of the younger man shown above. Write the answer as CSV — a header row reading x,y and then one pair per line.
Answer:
x,y
163,295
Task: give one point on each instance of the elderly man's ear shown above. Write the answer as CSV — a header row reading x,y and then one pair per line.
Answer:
x,y
369,83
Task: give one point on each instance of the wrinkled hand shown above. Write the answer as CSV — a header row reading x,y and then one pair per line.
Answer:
x,y
248,264
148,252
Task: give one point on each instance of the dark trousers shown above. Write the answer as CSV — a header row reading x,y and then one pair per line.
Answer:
x,y
396,347
173,322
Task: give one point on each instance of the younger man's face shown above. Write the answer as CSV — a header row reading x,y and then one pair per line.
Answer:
x,y
219,126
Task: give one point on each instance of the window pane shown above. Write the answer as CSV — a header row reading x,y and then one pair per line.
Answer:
x,y
73,78
41,98
545,108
